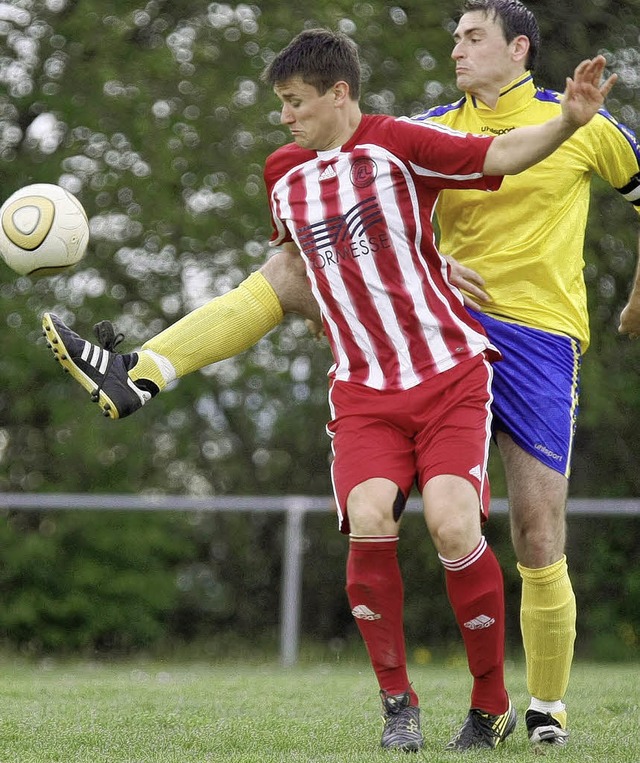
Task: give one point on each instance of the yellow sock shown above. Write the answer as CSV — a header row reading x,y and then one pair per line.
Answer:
x,y
223,327
548,624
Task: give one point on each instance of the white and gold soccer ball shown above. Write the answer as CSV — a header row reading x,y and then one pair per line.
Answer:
x,y
43,230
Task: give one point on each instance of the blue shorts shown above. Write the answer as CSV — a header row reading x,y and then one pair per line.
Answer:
x,y
535,389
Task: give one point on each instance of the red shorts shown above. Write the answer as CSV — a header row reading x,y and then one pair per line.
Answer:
x,y
442,426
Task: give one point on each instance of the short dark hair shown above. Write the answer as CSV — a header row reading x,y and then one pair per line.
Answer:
x,y
320,58
515,19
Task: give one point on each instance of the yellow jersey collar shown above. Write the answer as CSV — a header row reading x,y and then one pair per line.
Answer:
x,y
514,96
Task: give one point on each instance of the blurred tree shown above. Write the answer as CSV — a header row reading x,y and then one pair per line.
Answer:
x,y
155,118
153,115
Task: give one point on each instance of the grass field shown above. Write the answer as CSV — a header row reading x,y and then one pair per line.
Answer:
x,y
156,712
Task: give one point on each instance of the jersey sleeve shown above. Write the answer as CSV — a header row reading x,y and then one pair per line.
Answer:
x,y
616,156
444,157
275,167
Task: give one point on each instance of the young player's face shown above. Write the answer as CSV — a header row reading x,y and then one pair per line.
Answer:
x,y
484,60
311,118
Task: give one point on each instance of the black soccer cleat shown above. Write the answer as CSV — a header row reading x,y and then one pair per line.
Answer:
x,y
102,371
401,723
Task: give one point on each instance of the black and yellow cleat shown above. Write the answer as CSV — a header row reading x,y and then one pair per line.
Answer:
x,y
484,730
401,723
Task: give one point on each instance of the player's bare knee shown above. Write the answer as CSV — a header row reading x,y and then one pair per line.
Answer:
x,y
375,508
538,545
454,535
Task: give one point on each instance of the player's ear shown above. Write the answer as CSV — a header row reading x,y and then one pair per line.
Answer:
x,y
520,48
341,92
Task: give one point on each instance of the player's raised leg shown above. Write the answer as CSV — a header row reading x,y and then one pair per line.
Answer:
x,y
121,384
225,326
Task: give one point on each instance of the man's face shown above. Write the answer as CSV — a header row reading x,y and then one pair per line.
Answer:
x,y
311,118
482,56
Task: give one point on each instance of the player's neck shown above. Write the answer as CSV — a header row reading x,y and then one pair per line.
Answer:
x,y
346,129
488,96
489,93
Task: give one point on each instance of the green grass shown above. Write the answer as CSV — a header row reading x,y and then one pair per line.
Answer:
x,y
160,712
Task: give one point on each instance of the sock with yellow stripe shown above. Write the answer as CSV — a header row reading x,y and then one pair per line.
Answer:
x,y
548,624
223,327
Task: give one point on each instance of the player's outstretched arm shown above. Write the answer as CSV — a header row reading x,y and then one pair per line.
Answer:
x,y
523,147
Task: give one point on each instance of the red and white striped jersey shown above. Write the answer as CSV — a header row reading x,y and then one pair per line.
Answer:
x,y
361,217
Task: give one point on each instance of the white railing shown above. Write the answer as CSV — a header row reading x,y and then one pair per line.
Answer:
x,y
295,508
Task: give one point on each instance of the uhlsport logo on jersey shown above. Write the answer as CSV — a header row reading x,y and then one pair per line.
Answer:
x,y
479,622
362,612
346,236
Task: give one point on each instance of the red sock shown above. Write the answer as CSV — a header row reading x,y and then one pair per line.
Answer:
x,y
376,594
476,592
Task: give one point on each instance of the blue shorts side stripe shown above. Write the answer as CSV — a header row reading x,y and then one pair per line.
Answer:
x,y
536,389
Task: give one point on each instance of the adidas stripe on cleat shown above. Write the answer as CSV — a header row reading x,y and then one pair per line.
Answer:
x,y
484,730
401,723
100,370
547,728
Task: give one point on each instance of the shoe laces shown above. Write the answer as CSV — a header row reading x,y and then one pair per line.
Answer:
x,y
106,335
398,714
108,340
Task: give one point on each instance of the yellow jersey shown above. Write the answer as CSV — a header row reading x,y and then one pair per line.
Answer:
x,y
526,239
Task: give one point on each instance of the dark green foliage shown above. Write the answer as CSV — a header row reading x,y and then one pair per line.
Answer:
x,y
161,128
604,553
232,584
91,582
110,582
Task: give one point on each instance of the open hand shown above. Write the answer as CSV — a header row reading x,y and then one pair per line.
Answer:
x,y
585,93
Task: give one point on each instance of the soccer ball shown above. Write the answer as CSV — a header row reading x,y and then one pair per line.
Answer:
x,y
43,230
